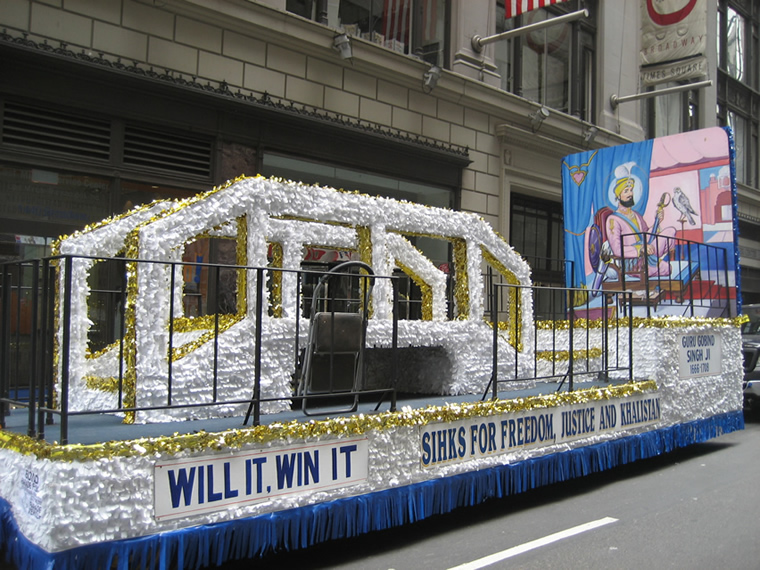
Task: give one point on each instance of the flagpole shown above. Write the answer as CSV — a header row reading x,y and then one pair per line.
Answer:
x,y
478,42
616,99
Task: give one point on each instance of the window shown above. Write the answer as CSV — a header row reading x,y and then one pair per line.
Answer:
x,y
437,251
736,48
351,179
210,289
738,99
674,113
536,231
554,66
412,27
746,147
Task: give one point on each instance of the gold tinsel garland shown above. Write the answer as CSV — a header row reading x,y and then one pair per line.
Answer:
x,y
109,384
225,322
241,256
514,310
201,442
563,355
276,280
642,322
461,279
364,238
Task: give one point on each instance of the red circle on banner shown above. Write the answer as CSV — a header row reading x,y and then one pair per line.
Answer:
x,y
672,17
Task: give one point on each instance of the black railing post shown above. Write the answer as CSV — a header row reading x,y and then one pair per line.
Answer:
x,y
257,351
571,344
16,373
495,355
394,342
170,348
725,280
122,330
48,399
605,340
255,403
299,300
691,281
215,388
35,358
5,331
629,299
644,261
65,348
518,327
46,353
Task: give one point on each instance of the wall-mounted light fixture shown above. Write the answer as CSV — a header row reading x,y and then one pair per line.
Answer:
x,y
538,117
342,43
590,134
430,78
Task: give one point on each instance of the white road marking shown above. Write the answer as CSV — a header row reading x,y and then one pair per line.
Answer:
x,y
533,544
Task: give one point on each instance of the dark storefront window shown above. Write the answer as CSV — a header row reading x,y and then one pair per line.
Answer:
x,y
39,205
536,231
38,195
351,179
438,251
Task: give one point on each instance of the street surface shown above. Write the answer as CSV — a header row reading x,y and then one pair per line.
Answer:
x,y
697,508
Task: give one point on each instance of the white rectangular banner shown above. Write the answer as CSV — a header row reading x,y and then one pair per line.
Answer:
x,y
692,68
699,355
672,31
474,438
211,483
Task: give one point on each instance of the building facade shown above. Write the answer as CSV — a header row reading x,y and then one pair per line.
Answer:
x,y
112,103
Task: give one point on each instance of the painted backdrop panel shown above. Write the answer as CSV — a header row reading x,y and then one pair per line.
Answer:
x,y
657,218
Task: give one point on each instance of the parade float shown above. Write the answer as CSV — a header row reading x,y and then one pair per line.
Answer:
x,y
188,497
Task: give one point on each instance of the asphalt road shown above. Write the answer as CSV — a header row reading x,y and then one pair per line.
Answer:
x,y
695,508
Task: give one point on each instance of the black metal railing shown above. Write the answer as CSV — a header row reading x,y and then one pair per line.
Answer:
x,y
581,332
38,298
36,339
669,271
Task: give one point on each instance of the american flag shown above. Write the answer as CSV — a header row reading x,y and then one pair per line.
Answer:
x,y
516,7
396,18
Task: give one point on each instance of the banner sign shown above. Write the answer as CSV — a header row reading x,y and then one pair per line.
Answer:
x,y
212,483
699,355
692,68
475,438
673,36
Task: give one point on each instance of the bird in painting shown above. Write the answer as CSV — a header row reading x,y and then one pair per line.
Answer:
x,y
682,204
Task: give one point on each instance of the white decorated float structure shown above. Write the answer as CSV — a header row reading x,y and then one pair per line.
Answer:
x,y
199,494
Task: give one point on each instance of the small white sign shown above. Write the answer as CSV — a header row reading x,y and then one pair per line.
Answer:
x,y
212,483
30,489
700,354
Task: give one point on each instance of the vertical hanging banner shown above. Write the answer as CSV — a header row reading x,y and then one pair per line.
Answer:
x,y
673,40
